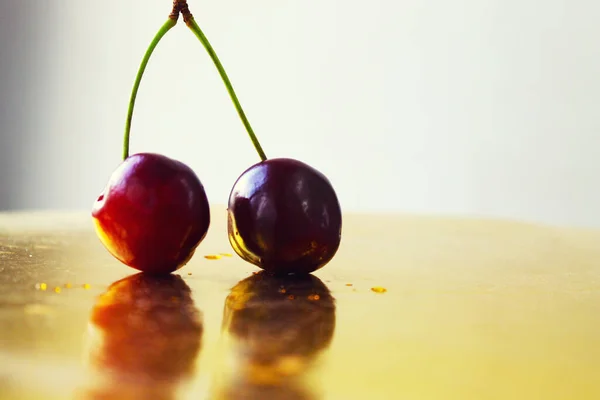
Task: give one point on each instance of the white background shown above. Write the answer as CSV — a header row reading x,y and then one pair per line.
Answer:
x,y
466,107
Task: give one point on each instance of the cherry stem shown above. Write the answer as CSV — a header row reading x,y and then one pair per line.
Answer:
x,y
191,23
171,22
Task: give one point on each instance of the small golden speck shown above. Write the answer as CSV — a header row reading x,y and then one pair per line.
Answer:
x,y
348,284
57,289
189,273
291,297
282,290
314,297
86,286
379,289
226,255
212,256
43,286
68,285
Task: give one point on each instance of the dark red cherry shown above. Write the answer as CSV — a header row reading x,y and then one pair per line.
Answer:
x,y
153,213
284,216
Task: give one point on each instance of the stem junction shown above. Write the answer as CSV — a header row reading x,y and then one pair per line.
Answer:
x,y
180,6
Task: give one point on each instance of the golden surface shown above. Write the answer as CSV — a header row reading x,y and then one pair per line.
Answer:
x,y
410,308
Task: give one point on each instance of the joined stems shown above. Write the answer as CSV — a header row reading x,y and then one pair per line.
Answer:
x,y
180,6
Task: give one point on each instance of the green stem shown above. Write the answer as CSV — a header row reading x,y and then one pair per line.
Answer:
x,y
171,22
191,23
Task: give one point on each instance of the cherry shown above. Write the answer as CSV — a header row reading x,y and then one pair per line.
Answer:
x,y
284,217
153,213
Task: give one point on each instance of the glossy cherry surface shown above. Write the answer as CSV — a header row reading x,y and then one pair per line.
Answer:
x,y
153,213
284,216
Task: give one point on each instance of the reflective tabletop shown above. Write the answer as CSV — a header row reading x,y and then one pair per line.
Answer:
x,y
411,307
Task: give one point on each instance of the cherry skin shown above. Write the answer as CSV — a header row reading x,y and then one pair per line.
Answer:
x,y
284,217
152,214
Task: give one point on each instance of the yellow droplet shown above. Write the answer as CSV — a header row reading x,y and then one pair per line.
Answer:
x,y
212,256
57,289
379,289
226,255
43,286
348,284
68,285
86,286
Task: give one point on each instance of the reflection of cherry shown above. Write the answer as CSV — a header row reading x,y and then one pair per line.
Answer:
x,y
147,335
277,327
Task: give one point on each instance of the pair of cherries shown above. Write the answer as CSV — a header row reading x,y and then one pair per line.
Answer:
x,y
283,215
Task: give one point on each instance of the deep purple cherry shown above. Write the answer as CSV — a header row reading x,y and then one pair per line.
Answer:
x,y
284,216
153,213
